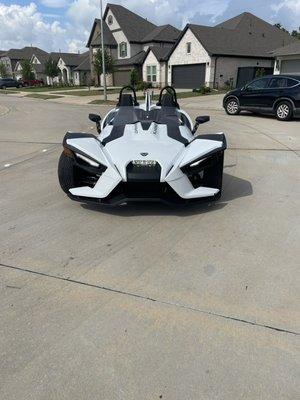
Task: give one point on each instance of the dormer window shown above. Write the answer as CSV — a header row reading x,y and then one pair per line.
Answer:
x,y
123,49
188,47
110,20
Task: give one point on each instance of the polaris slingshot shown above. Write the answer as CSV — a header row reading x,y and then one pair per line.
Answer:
x,y
143,152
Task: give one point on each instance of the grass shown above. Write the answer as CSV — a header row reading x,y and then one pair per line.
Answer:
x,y
43,96
107,102
93,92
10,91
183,95
38,89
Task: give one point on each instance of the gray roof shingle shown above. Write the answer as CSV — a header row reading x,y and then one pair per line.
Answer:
x,y
23,54
109,39
134,27
161,53
164,33
137,59
289,50
251,24
235,42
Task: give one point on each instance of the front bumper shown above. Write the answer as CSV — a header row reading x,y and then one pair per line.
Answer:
x,y
126,192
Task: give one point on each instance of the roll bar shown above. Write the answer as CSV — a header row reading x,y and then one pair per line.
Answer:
x,y
172,92
135,102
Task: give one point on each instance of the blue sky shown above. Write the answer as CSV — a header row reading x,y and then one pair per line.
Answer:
x,y
65,24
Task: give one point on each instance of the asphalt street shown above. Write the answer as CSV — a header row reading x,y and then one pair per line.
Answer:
x,y
145,301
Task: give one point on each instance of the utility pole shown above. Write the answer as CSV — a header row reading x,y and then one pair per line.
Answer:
x,y
103,54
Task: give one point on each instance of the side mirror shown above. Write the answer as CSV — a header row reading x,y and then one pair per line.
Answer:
x,y
95,118
200,120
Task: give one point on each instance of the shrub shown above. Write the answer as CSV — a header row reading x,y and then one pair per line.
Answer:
x,y
143,85
202,90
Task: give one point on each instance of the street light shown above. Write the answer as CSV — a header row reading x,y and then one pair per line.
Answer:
x,y
103,54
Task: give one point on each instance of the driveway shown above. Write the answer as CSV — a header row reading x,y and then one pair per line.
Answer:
x,y
145,301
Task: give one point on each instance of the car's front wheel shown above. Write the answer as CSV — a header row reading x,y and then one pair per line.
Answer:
x,y
232,107
284,111
66,172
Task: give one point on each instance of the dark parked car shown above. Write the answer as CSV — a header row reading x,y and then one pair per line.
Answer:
x,y
9,82
273,94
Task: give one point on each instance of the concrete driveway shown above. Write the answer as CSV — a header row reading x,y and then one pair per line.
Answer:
x,y
145,301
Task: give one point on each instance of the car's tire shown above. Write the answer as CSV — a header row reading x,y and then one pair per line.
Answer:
x,y
3,87
66,172
284,111
232,107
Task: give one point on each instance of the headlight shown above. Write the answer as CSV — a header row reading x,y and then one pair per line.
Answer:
x,y
88,160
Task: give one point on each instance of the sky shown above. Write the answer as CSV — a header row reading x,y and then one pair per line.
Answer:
x,y
65,25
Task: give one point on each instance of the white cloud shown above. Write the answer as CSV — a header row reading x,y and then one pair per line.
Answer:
x,y
24,25
55,3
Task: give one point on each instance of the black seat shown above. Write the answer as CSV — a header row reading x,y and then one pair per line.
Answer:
x,y
126,100
168,100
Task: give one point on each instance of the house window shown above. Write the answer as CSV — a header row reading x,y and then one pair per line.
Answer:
x,y
151,73
188,47
123,49
110,20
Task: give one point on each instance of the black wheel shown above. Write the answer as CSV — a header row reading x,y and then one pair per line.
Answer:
x,y
284,111
232,107
3,87
66,172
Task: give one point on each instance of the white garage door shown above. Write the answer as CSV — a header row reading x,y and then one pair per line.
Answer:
x,y
290,67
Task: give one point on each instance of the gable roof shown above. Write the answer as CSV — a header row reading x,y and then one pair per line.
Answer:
x,y
23,54
289,50
134,26
164,33
251,24
73,59
108,37
137,59
85,65
161,53
244,35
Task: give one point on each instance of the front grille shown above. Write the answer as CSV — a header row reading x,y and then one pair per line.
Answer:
x,y
142,173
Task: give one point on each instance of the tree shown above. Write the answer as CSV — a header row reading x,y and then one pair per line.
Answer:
x,y
279,26
134,77
51,69
296,34
27,72
3,70
260,72
109,63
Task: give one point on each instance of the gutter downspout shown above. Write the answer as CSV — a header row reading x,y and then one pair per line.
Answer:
x,y
215,72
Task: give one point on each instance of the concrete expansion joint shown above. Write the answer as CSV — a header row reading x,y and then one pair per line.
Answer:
x,y
145,298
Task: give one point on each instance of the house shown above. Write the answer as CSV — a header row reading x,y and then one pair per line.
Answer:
x,y
13,56
287,59
229,54
74,68
127,38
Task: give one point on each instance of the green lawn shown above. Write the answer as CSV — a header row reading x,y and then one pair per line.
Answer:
x,y
107,102
183,95
43,96
38,89
93,92
9,91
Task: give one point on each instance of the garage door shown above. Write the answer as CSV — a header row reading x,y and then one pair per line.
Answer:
x,y
188,76
290,67
122,77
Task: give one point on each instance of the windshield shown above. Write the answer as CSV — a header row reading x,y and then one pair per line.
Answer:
x,y
132,115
